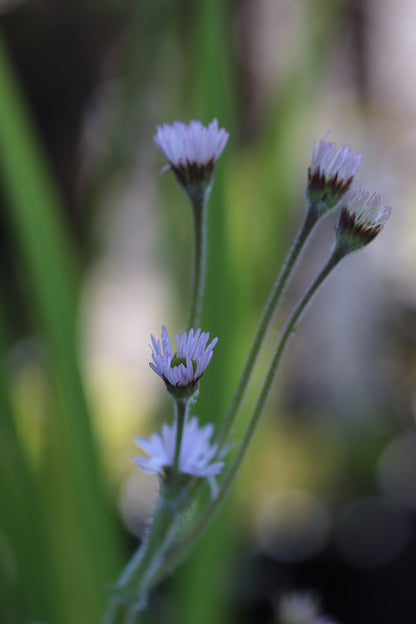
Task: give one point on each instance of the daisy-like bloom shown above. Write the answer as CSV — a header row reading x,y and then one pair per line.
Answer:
x,y
330,175
192,151
300,608
182,370
196,454
362,218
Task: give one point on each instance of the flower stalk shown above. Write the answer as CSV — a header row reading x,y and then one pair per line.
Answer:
x,y
199,205
181,414
182,549
193,150
182,453
362,218
132,587
329,177
268,314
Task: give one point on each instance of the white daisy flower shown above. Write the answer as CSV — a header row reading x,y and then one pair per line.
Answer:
x,y
196,453
183,369
331,174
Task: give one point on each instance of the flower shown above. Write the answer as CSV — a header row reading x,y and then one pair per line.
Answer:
x,y
196,453
182,370
362,218
330,175
192,151
300,608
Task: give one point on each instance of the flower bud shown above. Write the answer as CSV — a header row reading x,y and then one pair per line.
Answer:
x,y
330,175
361,219
192,151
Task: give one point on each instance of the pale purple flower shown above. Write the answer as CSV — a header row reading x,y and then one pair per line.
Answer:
x,y
333,163
191,144
192,151
185,367
196,452
361,219
300,608
331,174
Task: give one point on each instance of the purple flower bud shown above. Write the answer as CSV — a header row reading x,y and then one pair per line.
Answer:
x,y
330,175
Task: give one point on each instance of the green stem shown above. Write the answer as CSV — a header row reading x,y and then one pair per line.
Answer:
x,y
199,204
187,544
181,413
133,580
132,615
132,588
269,311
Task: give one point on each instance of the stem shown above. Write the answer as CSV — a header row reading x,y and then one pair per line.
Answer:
x,y
269,311
199,260
133,580
133,587
181,413
132,615
186,545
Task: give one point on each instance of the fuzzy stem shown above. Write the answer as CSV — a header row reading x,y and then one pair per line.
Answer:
x,y
269,311
181,414
133,584
186,545
199,204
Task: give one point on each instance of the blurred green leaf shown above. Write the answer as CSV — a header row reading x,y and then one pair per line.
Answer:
x,y
79,523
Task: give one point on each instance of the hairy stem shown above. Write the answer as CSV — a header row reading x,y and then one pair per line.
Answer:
x,y
181,414
132,586
197,531
269,311
199,204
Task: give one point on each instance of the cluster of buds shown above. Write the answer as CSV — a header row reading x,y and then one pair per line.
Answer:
x,y
192,151
330,179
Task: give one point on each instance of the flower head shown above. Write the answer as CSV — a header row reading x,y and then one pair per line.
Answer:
x,y
362,218
300,608
195,457
330,175
192,151
181,371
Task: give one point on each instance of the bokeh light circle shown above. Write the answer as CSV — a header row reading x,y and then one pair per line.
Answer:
x,y
292,525
372,532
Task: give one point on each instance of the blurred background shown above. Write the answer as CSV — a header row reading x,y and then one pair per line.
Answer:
x,y
95,250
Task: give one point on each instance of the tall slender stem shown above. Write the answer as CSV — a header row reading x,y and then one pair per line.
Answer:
x,y
269,311
133,580
199,204
181,413
186,545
